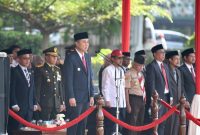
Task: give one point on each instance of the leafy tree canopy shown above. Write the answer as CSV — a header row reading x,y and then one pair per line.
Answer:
x,y
50,15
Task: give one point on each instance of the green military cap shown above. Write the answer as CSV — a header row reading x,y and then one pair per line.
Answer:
x,y
51,51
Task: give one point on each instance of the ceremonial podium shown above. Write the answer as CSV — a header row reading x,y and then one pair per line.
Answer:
x,y
4,91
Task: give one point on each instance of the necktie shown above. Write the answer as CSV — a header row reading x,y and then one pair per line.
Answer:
x,y
165,77
27,76
175,76
84,62
193,76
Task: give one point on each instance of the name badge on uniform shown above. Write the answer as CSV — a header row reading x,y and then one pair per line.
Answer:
x,y
78,69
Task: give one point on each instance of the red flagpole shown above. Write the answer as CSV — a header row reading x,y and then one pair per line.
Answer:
x,y
197,45
126,25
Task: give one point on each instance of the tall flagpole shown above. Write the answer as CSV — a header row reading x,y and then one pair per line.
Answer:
x,y
195,107
126,22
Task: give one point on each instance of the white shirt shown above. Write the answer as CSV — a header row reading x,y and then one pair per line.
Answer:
x,y
81,55
23,69
159,63
109,89
189,67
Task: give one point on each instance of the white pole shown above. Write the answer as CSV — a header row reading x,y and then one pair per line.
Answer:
x,y
195,111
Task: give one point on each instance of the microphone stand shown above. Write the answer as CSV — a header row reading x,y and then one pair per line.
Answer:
x,y
117,85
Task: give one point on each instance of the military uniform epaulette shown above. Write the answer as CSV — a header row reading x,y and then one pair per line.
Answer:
x,y
57,67
39,66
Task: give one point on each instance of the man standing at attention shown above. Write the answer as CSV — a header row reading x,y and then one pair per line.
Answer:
x,y
157,78
48,86
78,82
135,93
177,90
188,73
22,90
126,61
113,88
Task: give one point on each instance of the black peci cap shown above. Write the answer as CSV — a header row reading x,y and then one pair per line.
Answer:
x,y
24,51
126,54
82,35
187,52
14,47
140,52
170,54
156,48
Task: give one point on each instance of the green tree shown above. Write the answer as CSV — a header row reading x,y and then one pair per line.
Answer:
x,y
191,42
50,15
9,38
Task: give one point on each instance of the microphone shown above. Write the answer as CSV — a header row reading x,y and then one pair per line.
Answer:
x,y
98,51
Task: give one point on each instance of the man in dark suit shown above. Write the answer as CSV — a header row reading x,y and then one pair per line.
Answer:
x,y
126,61
157,78
175,82
188,73
78,82
48,86
22,90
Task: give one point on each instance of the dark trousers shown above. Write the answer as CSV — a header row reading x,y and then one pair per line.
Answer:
x,y
174,123
136,117
74,112
161,112
147,120
48,113
14,125
110,127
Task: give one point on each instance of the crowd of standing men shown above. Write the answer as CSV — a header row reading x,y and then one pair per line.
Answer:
x,y
134,86
43,91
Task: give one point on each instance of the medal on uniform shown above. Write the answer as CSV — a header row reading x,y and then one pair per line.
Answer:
x,y
48,80
58,77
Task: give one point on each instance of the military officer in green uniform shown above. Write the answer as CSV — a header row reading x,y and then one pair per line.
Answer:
x,y
49,86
